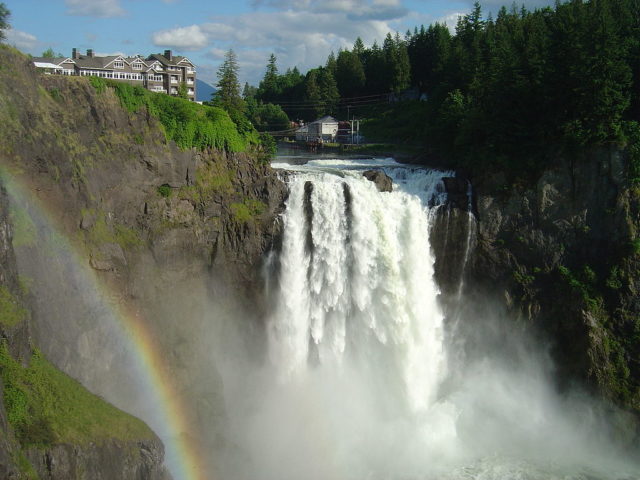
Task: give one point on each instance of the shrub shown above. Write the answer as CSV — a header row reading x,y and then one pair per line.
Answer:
x,y
164,190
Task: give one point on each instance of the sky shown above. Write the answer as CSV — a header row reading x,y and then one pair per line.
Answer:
x,y
300,33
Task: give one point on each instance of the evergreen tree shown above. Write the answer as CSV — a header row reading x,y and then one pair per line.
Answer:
x,y
228,94
359,48
269,85
349,74
332,64
249,91
49,53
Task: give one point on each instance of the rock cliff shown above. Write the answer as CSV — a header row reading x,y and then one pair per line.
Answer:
x,y
561,253
163,230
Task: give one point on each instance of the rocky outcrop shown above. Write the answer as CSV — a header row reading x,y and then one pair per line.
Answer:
x,y
562,254
17,336
382,181
112,460
172,236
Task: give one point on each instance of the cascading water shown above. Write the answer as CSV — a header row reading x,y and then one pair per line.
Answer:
x,y
366,379
356,282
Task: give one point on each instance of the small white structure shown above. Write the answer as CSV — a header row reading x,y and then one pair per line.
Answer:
x,y
324,129
302,133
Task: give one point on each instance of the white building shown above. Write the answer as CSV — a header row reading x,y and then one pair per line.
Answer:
x,y
325,129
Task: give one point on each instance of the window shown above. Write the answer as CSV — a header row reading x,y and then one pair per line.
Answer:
x,y
137,66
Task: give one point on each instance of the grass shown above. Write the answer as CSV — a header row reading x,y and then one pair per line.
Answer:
x,y
247,211
45,407
11,312
24,230
212,178
100,233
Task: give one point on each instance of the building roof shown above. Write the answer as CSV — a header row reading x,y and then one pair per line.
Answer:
x,y
95,62
55,61
45,64
175,59
135,58
326,119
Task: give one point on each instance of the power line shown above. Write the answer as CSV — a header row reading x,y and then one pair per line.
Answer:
x,y
341,100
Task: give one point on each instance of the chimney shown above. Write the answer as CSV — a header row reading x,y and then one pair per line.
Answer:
x,y
74,53
90,52
167,55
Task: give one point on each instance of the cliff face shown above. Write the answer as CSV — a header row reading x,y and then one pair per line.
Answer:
x,y
30,443
163,230
563,255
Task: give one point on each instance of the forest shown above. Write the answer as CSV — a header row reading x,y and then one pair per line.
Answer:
x,y
512,91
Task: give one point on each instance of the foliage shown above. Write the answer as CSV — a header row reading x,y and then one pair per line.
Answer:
x,y
182,91
188,124
268,143
583,282
102,232
4,20
100,84
266,116
247,211
228,95
164,190
633,149
11,312
49,53
45,406
212,178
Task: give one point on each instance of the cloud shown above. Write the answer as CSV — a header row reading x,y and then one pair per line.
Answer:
x,y
356,9
21,40
182,38
298,37
95,8
300,32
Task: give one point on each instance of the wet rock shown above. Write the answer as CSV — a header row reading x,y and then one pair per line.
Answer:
x,y
130,460
382,180
457,191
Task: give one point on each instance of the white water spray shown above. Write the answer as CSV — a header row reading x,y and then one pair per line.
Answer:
x,y
356,282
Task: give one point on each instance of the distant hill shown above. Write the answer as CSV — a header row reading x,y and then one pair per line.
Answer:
x,y
203,91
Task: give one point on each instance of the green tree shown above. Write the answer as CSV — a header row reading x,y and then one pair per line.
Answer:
x,y
349,74
397,65
359,48
182,91
49,53
268,88
4,20
331,64
249,91
228,94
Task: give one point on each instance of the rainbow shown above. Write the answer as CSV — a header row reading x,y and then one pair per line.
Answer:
x,y
168,413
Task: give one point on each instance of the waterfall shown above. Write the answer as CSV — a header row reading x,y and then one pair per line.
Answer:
x,y
356,280
363,377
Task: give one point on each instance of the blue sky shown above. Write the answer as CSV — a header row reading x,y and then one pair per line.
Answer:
x,y
299,32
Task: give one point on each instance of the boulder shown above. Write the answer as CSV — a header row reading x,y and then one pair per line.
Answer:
x,y
382,180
